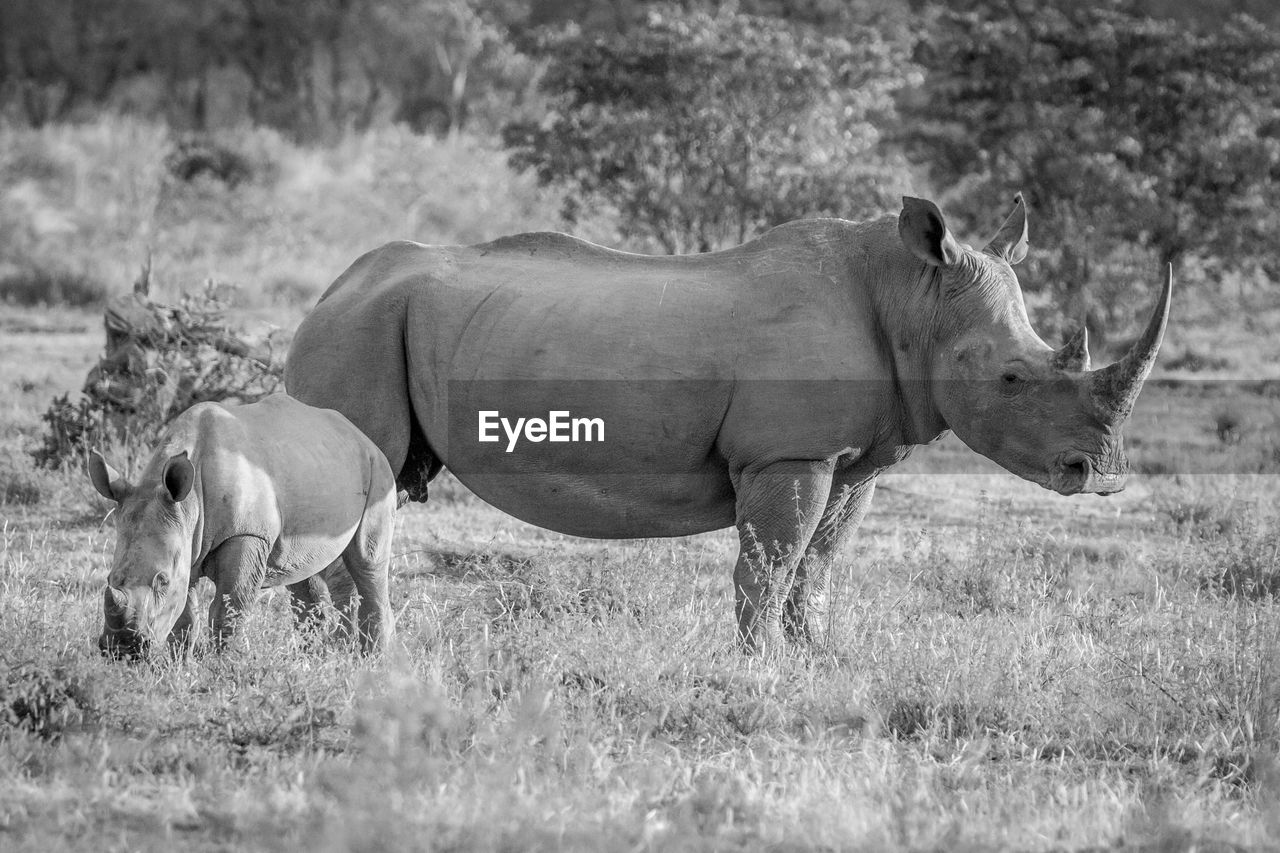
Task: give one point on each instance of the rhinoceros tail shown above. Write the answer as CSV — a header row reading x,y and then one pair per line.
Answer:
x,y
421,465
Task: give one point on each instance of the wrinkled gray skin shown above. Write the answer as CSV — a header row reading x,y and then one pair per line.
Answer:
x,y
248,496
765,386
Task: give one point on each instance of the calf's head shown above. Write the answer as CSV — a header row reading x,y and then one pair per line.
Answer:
x,y
1039,412
151,570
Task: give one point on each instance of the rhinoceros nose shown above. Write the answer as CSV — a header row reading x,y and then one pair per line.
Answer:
x,y
1078,472
1073,474
1075,470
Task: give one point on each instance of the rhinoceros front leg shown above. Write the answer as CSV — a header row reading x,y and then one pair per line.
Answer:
x,y
805,613
182,638
778,509
237,567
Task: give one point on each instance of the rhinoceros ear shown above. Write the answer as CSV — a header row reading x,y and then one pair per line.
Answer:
x,y
105,479
179,475
1010,241
924,232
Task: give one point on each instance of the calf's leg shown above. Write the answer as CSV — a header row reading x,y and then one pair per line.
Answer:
x,y
186,630
237,567
368,560
342,595
308,599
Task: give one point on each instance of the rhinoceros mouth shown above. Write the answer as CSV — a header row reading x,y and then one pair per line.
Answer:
x,y
123,645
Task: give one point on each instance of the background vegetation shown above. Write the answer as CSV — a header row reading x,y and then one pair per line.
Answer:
x,y
268,142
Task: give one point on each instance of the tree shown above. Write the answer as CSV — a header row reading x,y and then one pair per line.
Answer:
x,y
57,55
702,129
1124,131
441,57
309,69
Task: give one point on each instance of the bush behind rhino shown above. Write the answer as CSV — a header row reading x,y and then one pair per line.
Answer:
x,y
159,361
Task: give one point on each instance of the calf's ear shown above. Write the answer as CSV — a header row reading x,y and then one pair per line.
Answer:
x,y
925,234
179,475
105,479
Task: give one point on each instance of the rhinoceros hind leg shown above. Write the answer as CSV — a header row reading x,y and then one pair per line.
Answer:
x,y
368,561
342,595
309,599
804,614
779,507
237,568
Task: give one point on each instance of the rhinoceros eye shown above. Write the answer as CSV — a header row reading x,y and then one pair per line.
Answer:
x,y
1011,381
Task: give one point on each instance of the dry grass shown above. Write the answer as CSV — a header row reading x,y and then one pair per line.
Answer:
x,y
1008,670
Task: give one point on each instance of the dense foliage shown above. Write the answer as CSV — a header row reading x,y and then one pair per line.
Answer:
x,y
702,130
1125,132
311,68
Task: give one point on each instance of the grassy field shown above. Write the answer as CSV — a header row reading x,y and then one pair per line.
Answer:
x,y
1008,669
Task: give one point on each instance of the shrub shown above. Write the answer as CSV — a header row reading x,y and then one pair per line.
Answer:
x,y
51,287
1229,424
552,589
159,361
1193,361
18,487
197,155
994,574
912,719
1247,564
1208,515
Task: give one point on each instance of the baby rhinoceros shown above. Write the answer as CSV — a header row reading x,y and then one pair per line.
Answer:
x,y
248,496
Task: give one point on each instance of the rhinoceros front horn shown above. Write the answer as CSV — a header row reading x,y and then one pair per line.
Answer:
x,y
1115,388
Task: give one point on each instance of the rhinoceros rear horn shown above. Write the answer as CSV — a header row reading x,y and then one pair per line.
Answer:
x,y
1074,355
1115,388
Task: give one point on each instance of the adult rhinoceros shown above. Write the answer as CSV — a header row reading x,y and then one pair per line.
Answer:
x,y
764,386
